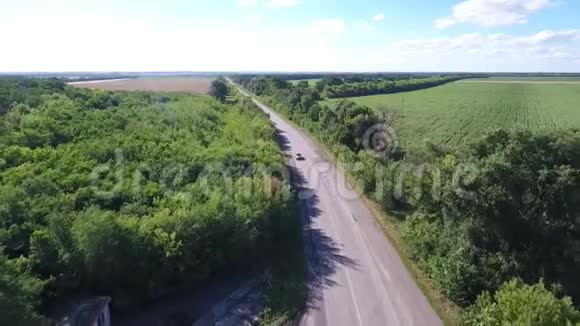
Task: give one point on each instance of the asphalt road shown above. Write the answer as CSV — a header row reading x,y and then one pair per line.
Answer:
x,y
356,275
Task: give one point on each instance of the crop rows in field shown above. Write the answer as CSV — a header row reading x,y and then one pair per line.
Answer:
x,y
454,113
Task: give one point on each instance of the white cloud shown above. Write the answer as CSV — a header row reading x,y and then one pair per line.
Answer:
x,y
443,23
321,46
363,26
248,3
369,26
487,41
283,3
491,52
378,18
327,27
555,36
491,13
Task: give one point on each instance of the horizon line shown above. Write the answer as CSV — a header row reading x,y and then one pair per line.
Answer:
x,y
278,72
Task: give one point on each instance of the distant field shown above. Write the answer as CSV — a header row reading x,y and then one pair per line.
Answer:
x,y
163,84
453,113
311,82
525,80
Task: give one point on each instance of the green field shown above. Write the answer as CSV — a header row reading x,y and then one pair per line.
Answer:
x,y
456,112
527,79
310,81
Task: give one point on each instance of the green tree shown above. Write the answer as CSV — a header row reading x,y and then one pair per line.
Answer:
x,y
504,206
19,293
519,304
303,84
306,102
219,90
106,193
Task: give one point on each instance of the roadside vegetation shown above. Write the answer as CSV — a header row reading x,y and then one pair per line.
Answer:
x,y
493,222
337,87
136,196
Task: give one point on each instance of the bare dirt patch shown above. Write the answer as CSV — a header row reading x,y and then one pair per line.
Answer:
x,y
192,85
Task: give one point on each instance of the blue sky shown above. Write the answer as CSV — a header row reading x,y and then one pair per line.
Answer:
x,y
290,35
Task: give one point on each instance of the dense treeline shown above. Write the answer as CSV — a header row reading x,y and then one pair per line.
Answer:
x,y
359,77
130,195
351,85
345,124
26,91
332,89
504,207
515,214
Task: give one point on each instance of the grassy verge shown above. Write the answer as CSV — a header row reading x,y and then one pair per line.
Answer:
x,y
449,312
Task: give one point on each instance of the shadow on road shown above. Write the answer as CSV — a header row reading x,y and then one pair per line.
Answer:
x,y
282,140
323,255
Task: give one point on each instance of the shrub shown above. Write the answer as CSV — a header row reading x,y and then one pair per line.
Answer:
x,y
516,303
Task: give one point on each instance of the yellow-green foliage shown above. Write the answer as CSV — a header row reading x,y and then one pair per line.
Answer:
x,y
519,304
